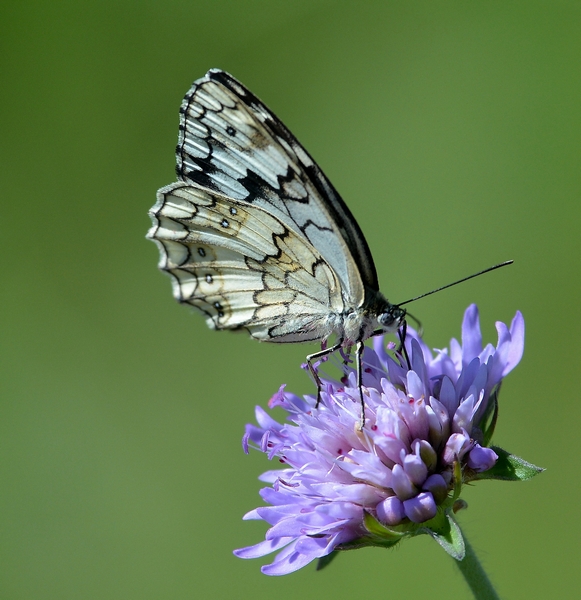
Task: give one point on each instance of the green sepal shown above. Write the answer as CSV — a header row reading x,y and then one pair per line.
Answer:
x,y
376,528
488,422
448,535
380,534
457,480
509,467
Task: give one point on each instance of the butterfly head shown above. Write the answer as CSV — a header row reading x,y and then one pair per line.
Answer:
x,y
391,318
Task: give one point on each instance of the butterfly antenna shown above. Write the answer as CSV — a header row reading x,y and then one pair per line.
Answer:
x,y
503,264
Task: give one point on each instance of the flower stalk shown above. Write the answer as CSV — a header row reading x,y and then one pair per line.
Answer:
x,y
475,576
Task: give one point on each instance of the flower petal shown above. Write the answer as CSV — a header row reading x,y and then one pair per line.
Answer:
x,y
471,336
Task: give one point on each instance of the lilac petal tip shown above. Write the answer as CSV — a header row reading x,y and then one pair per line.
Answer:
x,y
517,343
421,508
390,511
471,336
481,459
437,486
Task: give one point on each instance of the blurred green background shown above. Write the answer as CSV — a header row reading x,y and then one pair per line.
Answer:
x,y
452,130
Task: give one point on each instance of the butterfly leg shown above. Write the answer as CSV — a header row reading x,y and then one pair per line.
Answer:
x,y
401,349
359,353
315,356
402,335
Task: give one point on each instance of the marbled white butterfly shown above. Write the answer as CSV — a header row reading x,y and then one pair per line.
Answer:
x,y
255,236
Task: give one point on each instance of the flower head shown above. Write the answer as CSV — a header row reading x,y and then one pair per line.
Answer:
x,y
426,432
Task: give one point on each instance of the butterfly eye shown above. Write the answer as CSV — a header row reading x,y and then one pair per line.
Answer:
x,y
392,317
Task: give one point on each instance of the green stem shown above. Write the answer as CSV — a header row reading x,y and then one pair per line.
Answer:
x,y
475,576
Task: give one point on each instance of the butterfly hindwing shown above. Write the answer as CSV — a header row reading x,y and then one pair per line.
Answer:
x,y
243,267
231,143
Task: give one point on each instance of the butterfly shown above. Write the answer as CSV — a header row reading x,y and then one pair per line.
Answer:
x,y
256,237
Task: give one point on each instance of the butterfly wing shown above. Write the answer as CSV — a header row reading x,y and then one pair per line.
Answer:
x,y
242,266
231,143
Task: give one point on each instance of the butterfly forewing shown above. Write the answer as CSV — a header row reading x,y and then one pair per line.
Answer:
x,y
230,142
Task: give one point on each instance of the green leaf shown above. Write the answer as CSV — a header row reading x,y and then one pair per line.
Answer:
x,y
509,467
449,537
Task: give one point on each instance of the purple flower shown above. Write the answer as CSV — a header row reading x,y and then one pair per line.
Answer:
x,y
426,433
